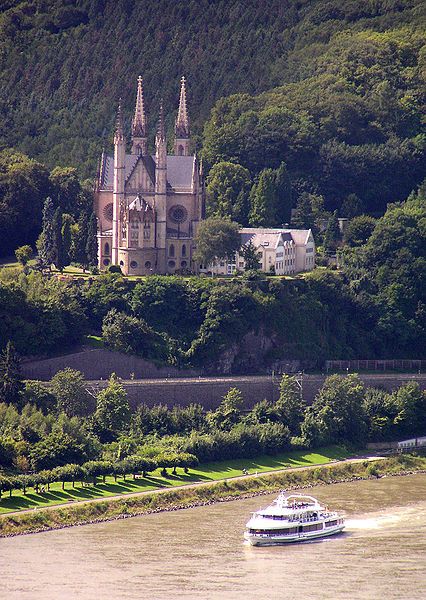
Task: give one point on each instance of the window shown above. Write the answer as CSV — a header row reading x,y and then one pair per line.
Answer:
x,y
172,264
133,264
106,248
146,231
183,264
171,250
106,261
148,264
184,250
180,150
121,263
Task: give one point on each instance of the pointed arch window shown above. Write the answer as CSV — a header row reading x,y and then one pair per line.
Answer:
x,y
171,250
180,150
184,250
106,248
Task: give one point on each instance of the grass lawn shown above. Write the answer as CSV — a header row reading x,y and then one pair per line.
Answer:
x,y
207,472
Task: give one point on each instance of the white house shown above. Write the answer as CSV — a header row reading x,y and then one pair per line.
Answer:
x,y
285,251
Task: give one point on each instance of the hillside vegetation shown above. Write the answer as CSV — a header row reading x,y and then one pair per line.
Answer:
x,y
336,76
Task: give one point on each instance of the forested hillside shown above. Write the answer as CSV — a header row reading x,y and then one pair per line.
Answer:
x,y
339,83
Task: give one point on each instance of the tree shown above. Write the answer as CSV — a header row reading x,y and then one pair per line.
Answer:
x,y
228,188
69,389
67,222
251,257
23,254
11,385
228,413
66,188
60,259
332,233
284,198
216,239
351,207
304,216
92,241
112,408
358,230
290,404
46,241
131,335
336,414
263,201
79,240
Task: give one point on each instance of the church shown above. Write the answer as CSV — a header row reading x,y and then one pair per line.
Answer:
x,y
149,206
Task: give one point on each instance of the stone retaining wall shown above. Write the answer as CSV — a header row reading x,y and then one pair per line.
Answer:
x,y
210,391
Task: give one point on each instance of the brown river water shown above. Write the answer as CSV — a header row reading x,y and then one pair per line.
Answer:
x,y
200,553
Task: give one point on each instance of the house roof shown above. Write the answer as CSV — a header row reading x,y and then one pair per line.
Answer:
x,y
179,170
265,237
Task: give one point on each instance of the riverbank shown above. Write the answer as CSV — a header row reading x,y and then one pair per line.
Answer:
x,y
206,494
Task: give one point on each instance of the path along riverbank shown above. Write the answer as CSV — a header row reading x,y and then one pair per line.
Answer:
x,y
202,494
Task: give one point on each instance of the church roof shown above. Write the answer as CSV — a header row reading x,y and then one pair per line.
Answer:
x,y
179,170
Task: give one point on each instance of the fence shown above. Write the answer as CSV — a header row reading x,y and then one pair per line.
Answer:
x,y
376,365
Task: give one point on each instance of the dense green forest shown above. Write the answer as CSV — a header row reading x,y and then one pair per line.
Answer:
x,y
333,88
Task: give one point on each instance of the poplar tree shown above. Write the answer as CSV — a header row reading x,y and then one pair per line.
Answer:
x,y
263,200
92,241
59,251
67,221
11,384
46,241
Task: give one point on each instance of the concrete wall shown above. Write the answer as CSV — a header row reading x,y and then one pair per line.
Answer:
x,y
99,364
210,391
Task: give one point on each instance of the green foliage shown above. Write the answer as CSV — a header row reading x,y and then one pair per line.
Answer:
x,y
228,412
271,198
251,257
216,239
23,254
228,187
68,387
336,413
358,230
112,409
332,233
290,405
131,335
10,376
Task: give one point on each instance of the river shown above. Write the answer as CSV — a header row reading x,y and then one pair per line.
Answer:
x,y
199,553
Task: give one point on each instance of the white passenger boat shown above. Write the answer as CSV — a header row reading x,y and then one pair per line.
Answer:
x,y
292,518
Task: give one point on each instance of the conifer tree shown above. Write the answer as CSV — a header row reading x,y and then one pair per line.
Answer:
x,y
251,257
80,240
11,384
92,241
67,221
59,252
283,195
332,234
46,242
263,200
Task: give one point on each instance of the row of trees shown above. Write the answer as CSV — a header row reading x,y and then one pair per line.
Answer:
x,y
64,240
91,470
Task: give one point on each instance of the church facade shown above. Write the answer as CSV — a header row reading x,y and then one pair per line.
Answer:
x,y
149,206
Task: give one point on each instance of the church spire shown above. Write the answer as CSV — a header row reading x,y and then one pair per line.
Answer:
x,y
139,129
119,132
161,131
182,120
182,133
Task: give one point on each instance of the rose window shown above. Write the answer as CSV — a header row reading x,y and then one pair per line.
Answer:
x,y
178,214
108,212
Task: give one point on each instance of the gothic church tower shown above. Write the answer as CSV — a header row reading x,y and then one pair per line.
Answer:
x,y
149,206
